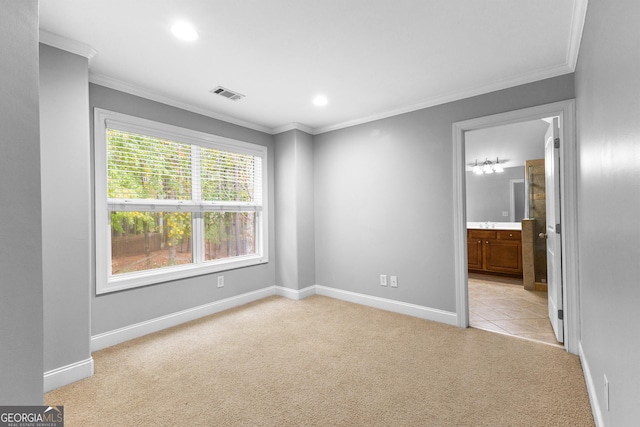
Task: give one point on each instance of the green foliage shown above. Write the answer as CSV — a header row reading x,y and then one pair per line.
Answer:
x,y
147,168
143,167
226,176
179,227
121,222
214,223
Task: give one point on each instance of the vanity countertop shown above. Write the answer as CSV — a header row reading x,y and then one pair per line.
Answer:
x,y
494,225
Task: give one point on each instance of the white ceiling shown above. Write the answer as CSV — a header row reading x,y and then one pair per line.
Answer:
x,y
371,58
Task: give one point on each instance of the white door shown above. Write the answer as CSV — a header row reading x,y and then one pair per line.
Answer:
x,y
554,259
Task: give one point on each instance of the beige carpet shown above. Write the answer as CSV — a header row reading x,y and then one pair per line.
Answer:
x,y
324,362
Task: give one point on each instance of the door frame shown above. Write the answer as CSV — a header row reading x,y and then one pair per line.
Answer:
x,y
565,110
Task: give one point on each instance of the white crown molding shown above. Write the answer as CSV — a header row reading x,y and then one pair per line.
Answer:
x,y
129,88
292,126
110,82
575,36
454,96
69,45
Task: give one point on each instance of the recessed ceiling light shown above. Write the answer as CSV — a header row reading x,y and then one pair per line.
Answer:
x,y
184,31
320,100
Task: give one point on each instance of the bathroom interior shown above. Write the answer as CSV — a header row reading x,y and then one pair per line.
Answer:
x,y
506,225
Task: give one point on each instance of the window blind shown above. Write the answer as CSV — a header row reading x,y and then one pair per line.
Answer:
x,y
227,176
147,169
143,167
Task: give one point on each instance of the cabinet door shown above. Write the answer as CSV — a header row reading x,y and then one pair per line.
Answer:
x,y
474,251
503,256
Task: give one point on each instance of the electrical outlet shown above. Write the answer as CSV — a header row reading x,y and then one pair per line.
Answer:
x,y
606,392
220,281
505,213
383,280
394,281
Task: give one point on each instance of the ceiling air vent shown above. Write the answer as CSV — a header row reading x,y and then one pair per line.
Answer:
x,y
234,96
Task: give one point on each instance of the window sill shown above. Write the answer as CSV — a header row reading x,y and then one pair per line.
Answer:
x,y
151,277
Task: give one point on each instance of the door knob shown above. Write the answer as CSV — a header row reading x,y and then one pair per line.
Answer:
x,y
542,235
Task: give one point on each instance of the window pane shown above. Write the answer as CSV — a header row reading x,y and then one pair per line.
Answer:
x,y
149,240
229,234
144,167
229,177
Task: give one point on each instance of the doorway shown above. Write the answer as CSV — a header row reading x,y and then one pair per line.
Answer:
x,y
565,111
502,273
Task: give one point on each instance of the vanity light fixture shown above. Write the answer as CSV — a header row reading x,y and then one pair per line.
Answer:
x,y
488,167
497,168
477,169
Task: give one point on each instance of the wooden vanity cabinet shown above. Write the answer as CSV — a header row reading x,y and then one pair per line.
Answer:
x,y
495,251
474,253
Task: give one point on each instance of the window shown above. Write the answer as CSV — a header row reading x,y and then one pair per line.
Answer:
x,y
173,203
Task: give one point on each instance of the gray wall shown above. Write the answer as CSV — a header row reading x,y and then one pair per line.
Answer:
x,y
295,248
66,206
21,330
489,195
118,309
384,196
608,112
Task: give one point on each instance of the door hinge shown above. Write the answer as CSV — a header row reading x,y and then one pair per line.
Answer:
x,y
560,315
558,229
556,143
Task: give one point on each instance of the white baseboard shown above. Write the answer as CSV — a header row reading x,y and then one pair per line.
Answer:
x,y
295,294
117,336
68,374
591,388
390,305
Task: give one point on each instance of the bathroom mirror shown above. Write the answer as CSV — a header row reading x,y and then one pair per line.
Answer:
x,y
497,197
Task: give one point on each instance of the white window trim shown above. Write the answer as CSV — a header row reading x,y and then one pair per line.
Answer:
x,y
105,282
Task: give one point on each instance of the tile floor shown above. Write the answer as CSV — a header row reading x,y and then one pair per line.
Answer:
x,y
502,305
